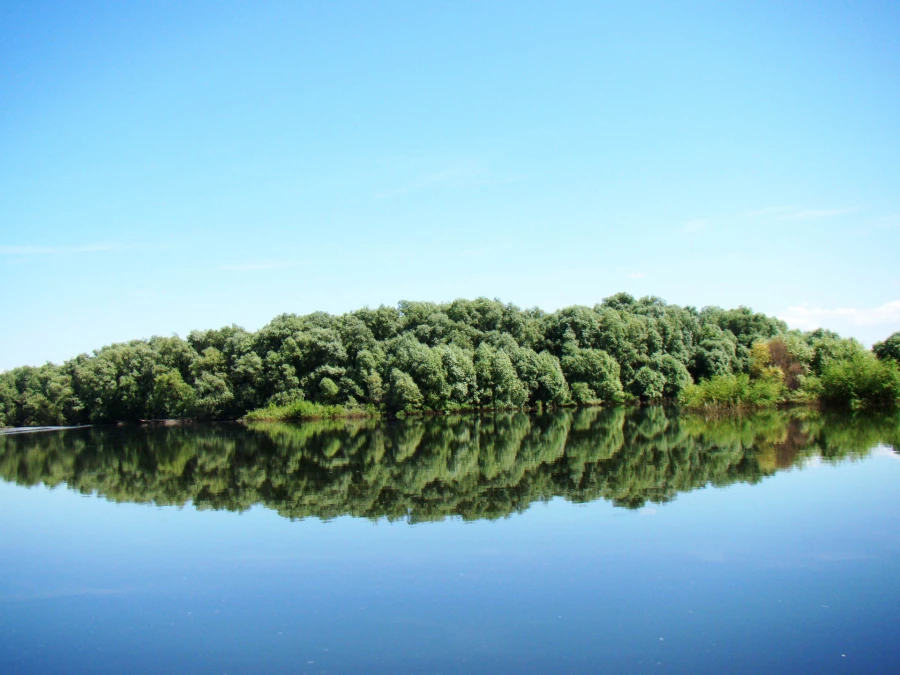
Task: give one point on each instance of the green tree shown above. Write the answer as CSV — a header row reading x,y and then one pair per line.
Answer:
x,y
862,381
889,349
404,394
596,371
466,353
172,397
498,384
213,396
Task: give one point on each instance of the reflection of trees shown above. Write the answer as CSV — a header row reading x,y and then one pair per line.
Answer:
x,y
481,467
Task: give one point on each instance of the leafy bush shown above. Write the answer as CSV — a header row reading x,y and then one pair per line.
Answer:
x,y
305,410
735,391
861,382
593,375
404,393
889,349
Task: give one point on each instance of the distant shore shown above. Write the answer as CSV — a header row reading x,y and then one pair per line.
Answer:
x,y
422,358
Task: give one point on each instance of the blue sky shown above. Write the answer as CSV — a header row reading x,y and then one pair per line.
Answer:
x,y
170,166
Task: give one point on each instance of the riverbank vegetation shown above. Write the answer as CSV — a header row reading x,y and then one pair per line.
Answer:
x,y
804,368
301,410
467,354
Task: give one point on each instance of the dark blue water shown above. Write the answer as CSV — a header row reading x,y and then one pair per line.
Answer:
x,y
791,565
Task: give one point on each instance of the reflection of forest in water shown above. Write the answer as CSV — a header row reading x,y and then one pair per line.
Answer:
x,y
474,467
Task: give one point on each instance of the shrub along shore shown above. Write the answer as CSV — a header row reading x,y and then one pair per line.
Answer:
x,y
419,357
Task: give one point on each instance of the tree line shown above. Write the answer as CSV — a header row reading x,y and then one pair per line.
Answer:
x,y
430,468
417,356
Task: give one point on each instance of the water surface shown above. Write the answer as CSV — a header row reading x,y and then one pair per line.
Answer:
x,y
578,542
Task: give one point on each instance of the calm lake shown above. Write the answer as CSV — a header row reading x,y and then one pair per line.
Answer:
x,y
584,541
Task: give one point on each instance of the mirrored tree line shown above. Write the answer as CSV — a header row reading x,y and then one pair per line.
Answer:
x,y
428,469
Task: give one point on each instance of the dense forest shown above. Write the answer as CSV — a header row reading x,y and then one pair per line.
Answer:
x,y
467,354
426,469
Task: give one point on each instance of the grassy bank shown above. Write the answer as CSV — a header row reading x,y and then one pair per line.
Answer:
x,y
307,410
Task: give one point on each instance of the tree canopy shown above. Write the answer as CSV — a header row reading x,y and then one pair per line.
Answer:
x,y
466,354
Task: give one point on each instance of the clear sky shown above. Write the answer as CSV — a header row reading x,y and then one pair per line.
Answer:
x,y
170,166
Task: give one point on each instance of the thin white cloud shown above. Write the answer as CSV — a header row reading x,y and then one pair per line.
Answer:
x,y
696,225
59,250
806,318
636,275
257,267
792,213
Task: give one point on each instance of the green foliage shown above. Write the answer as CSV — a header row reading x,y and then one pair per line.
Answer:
x,y
648,384
716,353
801,368
760,358
299,411
828,347
37,397
675,374
547,382
583,394
593,375
404,394
863,381
459,371
889,349
735,391
172,397
498,384
214,396
424,365
423,356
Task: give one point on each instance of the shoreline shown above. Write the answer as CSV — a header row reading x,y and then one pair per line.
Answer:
x,y
11,431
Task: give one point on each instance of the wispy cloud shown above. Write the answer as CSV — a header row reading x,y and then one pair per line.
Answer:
x,y
787,213
636,275
258,266
696,225
806,318
59,250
